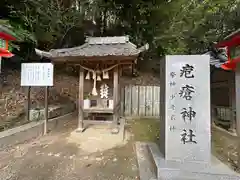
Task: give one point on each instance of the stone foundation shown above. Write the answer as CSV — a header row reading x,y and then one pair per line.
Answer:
x,y
53,112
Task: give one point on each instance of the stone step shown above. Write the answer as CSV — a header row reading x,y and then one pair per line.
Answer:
x,y
168,170
187,175
145,165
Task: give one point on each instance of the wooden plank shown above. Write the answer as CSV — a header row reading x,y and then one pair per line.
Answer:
x,y
46,110
219,84
237,87
122,101
153,101
138,100
142,102
135,103
116,95
0,65
95,122
156,97
98,110
127,101
80,99
232,117
149,100
130,100
28,104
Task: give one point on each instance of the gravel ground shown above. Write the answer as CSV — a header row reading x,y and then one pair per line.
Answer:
x,y
53,157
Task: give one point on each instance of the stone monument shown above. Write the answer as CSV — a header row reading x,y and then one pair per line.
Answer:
x,y
185,106
185,131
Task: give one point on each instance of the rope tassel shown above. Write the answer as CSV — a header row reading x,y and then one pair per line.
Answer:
x,y
88,75
94,75
99,78
105,75
94,90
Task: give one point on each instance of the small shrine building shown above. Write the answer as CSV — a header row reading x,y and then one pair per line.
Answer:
x,y
4,43
5,37
101,61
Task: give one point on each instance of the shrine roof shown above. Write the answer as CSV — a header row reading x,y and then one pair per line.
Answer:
x,y
219,59
6,34
98,47
237,32
214,61
230,40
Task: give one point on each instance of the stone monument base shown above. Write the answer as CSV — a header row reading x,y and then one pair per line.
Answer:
x,y
173,170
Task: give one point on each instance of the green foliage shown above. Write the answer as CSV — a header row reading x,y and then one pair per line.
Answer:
x,y
195,24
49,20
172,27
16,31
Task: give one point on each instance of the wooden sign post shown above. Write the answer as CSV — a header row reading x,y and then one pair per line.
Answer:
x,y
40,75
28,92
46,110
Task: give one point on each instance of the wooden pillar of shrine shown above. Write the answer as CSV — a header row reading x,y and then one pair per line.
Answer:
x,y
237,87
80,100
232,106
116,97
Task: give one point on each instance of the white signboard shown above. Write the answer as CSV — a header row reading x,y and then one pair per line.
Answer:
x,y
37,74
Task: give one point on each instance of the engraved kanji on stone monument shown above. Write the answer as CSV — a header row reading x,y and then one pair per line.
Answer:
x,y
173,96
186,71
173,74
188,114
187,136
172,83
172,128
173,117
187,92
186,107
172,107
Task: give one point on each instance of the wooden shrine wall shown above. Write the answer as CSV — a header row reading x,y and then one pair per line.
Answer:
x,y
140,101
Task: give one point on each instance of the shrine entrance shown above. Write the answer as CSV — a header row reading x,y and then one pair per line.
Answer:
x,y
100,61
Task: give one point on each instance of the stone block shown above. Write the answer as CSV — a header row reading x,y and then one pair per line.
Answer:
x,y
35,115
177,170
53,112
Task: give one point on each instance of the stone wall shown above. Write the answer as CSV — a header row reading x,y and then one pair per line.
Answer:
x,y
37,115
53,111
31,130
